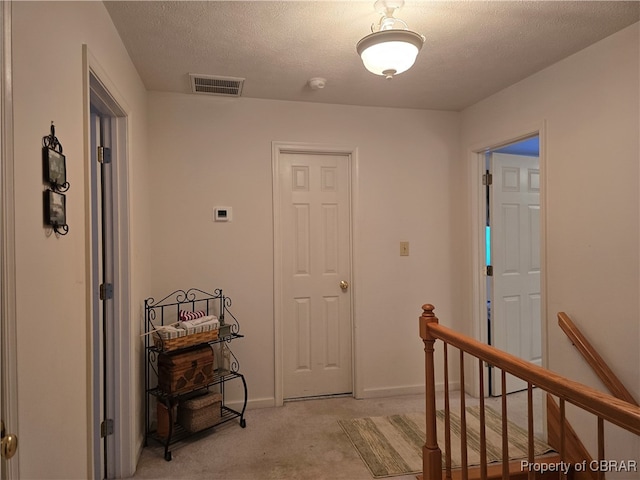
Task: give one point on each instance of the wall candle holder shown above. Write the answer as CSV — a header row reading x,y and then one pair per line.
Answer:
x,y
54,169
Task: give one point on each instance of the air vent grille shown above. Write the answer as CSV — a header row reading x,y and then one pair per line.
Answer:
x,y
214,85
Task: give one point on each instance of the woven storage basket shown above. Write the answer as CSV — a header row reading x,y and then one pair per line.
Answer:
x,y
166,344
200,412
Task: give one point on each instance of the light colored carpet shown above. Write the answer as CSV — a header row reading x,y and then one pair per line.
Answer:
x,y
392,445
297,440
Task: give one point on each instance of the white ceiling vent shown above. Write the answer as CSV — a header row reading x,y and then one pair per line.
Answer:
x,y
216,85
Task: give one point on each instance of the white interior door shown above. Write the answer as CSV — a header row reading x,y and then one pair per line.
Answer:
x,y
515,251
103,300
315,268
98,320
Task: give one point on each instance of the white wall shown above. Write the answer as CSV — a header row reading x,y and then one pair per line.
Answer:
x,y
209,151
590,103
52,313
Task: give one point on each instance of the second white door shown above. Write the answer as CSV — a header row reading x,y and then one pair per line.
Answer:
x,y
315,216
515,232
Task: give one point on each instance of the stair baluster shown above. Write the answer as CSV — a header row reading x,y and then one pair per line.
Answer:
x,y
447,415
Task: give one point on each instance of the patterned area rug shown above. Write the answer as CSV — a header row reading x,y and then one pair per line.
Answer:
x,y
392,446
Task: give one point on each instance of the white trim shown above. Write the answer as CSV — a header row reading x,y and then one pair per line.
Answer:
x,y
8,324
398,391
252,403
122,392
475,155
277,148
406,390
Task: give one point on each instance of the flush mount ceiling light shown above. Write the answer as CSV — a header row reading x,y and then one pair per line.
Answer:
x,y
392,48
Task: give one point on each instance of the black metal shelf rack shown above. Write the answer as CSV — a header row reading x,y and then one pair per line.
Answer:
x,y
164,312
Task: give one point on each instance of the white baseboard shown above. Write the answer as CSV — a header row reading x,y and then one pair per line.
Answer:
x,y
137,455
453,387
392,391
267,402
252,403
404,390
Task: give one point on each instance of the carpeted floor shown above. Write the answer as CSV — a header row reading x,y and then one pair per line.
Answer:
x,y
299,440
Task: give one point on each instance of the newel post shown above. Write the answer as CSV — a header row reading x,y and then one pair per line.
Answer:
x,y
431,454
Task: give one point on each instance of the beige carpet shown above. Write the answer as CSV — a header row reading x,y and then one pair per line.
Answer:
x,y
392,445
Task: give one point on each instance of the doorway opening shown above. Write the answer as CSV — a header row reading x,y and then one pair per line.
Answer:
x,y
108,296
512,239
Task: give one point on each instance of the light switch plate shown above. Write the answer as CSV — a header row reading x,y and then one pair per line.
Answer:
x,y
404,249
222,214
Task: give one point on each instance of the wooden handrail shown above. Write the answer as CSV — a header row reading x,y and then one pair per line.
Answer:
x,y
595,361
612,409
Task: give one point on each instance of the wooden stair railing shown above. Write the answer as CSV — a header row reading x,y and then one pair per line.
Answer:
x,y
574,448
605,407
593,358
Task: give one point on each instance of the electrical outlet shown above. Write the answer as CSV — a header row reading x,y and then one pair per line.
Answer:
x,y
404,249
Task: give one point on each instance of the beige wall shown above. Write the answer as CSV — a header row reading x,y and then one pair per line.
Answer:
x,y
590,106
208,151
52,315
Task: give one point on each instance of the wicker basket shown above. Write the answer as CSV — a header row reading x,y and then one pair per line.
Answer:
x,y
200,412
166,344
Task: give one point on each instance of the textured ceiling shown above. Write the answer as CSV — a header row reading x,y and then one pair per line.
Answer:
x,y
472,49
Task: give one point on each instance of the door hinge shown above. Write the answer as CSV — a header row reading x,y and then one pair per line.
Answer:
x,y
487,179
106,428
489,270
106,291
104,155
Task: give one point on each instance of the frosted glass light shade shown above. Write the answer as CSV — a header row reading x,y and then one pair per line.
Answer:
x,y
389,52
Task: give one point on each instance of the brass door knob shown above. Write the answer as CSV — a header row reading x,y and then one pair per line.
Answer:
x,y
8,445
344,285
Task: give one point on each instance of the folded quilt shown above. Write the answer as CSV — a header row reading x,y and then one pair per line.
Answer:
x,y
199,321
167,332
202,328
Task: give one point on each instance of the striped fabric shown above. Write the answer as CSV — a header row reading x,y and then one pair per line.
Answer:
x,y
184,315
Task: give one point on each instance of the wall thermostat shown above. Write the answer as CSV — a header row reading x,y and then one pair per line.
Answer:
x,y
222,214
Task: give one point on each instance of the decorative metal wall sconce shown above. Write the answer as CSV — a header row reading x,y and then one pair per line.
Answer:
x,y
54,170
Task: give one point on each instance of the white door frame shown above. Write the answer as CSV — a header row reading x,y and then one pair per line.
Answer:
x,y
8,338
120,386
278,148
477,198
